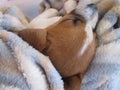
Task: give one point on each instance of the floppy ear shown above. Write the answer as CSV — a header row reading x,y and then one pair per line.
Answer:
x,y
35,37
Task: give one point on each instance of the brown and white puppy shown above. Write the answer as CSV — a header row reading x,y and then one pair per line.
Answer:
x,y
69,43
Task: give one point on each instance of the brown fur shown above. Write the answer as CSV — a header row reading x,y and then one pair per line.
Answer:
x,y
62,42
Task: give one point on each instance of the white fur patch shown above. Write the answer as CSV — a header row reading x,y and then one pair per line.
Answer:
x,y
90,25
89,38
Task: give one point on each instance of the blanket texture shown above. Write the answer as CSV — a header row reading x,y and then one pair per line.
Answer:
x,y
104,71
28,59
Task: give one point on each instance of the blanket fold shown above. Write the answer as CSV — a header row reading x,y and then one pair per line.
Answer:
x,y
26,58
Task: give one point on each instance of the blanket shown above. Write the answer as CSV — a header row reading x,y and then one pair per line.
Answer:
x,y
28,59
104,71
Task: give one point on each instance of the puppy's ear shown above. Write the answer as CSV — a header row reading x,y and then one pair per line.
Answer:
x,y
35,37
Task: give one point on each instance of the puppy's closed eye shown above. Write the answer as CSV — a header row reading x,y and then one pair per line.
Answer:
x,y
78,19
75,20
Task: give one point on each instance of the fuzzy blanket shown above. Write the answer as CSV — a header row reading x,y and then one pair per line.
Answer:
x,y
104,71
21,66
28,59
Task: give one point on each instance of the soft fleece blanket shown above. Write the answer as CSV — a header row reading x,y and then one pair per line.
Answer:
x,y
26,58
104,71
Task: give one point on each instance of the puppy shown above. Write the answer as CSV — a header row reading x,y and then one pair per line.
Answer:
x,y
69,43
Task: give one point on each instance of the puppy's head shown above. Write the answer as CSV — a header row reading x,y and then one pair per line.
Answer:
x,y
69,43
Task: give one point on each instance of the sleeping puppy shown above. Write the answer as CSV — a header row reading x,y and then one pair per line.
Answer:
x,y
69,43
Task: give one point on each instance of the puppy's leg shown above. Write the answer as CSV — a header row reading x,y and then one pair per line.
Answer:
x,y
20,47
